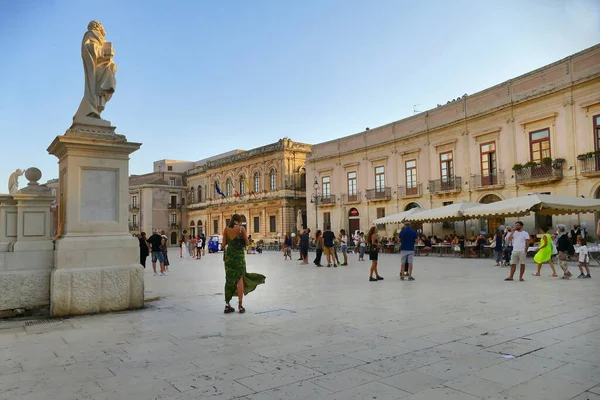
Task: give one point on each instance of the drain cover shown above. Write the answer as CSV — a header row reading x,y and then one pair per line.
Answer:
x,y
43,321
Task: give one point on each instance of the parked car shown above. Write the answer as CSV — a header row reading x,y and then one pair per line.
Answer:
x,y
214,243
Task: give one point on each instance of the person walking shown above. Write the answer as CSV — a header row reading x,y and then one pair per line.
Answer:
x,y
373,248
508,248
575,233
498,250
584,258
199,244
565,248
407,237
238,282
304,245
319,248
362,246
203,238
156,244
520,241
328,245
287,246
144,248
344,243
165,250
544,253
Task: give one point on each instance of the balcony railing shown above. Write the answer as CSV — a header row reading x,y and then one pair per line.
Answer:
x,y
486,181
590,165
414,191
133,207
447,185
379,194
133,226
171,206
327,200
351,198
174,225
539,174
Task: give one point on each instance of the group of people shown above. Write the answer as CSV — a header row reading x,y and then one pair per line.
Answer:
x,y
155,245
515,242
192,246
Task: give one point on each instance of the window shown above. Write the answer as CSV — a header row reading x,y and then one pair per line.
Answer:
x,y
134,220
228,189
171,181
596,132
217,195
352,186
446,167
381,214
256,182
256,224
539,144
215,226
410,173
326,219
193,194
173,203
173,219
170,168
134,201
488,163
242,185
380,179
199,194
326,187
273,179
272,223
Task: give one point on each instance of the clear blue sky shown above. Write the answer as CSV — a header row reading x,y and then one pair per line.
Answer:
x,y
197,78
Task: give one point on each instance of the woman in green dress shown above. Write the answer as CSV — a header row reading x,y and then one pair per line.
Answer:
x,y
238,282
544,254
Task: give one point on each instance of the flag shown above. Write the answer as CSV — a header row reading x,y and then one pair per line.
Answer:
x,y
218,190
248,186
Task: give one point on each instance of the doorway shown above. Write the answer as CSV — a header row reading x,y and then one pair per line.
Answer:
x,y
491,224
353,221
173,237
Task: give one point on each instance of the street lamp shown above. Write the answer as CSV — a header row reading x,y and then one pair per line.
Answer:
x,y
315,199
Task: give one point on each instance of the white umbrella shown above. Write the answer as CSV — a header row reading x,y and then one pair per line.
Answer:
x,y
398,218
543,204
451,212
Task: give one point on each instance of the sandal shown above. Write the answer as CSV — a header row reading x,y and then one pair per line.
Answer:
x,y
228,309
535,274
554,276
508,279
241,309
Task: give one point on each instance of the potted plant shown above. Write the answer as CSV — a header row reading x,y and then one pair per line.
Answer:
x,y
582,157
546,161
517,167
530,164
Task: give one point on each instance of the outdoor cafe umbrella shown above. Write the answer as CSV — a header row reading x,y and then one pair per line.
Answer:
x,y
543,204
398,218
451,212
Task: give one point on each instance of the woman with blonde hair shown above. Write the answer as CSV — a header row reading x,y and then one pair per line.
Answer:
x,y
238,282
373,249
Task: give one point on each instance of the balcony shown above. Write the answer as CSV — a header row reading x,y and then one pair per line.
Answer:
x,y
133,227
171,206
327,200
446,186
174,226
381,194
134,207
351,198
405,192
489,181
589,164
533,175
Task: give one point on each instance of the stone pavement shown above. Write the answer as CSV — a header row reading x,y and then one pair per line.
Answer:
x,y
322,333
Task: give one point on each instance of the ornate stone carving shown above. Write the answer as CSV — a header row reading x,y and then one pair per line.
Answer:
x,y
13,181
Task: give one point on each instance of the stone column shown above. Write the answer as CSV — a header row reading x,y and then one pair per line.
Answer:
x,y
96,259
8,221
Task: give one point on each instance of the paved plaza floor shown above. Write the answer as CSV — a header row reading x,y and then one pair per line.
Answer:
x,y
322,333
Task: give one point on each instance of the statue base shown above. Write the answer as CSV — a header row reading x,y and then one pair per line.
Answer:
x,y
93,128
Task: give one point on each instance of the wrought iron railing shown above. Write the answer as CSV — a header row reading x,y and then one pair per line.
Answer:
x,y
482,181
134,207
590,164
351,198
538,173
450,184
410,191
327,199
384,193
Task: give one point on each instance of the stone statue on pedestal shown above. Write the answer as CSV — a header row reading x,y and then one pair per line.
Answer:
x,y
100,70
13,181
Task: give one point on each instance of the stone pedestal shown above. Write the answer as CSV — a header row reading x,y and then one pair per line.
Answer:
x,y
97,265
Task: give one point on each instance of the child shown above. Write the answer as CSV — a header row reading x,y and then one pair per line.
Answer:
x,y
583,258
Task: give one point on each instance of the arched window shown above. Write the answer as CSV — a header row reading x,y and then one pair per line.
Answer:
x,y
256,182
192,195
242,185
199,193
228,187
272,179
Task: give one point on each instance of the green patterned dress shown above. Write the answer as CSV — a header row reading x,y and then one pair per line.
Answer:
x,y
235,268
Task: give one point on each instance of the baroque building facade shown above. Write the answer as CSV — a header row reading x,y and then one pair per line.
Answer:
x,y
266,185
537,133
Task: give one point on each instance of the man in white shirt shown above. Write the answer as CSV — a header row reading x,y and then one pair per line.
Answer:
x,y
520,242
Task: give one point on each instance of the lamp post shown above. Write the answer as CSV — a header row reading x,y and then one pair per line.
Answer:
x,y
315,199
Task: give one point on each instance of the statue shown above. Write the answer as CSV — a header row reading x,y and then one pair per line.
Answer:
x,y
13,181
299,219
100,70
